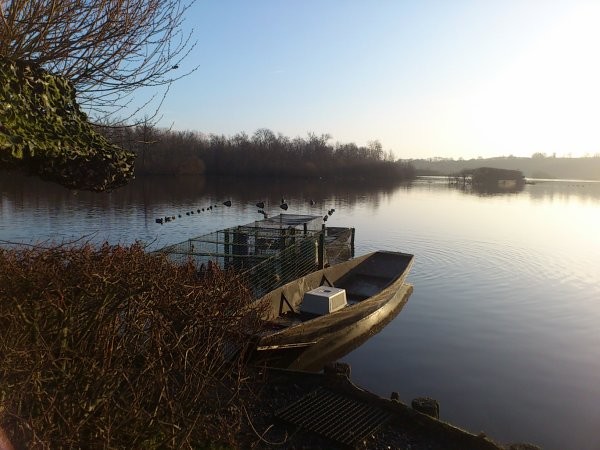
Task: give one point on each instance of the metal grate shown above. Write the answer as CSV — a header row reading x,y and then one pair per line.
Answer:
x,y
335,416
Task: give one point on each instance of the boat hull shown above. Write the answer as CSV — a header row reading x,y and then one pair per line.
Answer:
x,y
309,344
335,345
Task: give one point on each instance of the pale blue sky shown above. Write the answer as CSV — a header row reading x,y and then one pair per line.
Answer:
x,y
426,78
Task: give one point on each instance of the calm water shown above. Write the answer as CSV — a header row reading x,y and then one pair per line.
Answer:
x,y
503,327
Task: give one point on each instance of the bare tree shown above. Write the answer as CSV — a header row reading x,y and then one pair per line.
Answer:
x,y
107,48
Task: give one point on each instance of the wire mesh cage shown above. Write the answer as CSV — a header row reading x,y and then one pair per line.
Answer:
x,y
268,253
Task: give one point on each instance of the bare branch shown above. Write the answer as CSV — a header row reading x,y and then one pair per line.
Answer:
x,y
109,49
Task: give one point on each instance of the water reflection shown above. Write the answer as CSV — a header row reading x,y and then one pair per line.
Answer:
x,y
491,189
29,192
21,195
538,190
565,191
34,210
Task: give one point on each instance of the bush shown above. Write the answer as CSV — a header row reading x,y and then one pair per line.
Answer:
x,y
113,347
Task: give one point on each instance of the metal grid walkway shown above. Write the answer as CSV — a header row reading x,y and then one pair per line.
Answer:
x,y
335,416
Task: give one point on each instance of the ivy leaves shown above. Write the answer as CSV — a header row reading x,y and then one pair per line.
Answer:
x,y
43,132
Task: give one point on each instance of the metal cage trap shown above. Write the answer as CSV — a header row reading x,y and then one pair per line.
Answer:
x,y
269,252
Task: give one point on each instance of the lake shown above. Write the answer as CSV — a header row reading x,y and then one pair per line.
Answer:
x,y
503,327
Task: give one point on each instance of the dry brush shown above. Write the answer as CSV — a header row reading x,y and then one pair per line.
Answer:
x,y
114,347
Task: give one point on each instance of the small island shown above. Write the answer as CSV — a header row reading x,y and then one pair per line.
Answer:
x,y
497,178
490,180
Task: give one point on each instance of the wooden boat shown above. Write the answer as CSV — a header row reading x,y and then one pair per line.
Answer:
x,y
375,292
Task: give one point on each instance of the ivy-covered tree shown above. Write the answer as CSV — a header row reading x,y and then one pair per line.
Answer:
x,y
44,132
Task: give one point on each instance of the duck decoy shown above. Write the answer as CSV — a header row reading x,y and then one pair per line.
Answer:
x,y
187,213
284,206
192,212
226,203
179,216
198,210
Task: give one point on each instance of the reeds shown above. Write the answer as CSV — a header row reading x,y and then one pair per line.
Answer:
x,y
114,348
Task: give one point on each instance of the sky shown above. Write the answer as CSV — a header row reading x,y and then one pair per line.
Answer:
x,y
449,79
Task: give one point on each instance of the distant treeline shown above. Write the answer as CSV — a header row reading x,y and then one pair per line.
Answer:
x,y
538,166
265,153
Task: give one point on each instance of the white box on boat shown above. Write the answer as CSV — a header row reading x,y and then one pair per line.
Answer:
x,y
323,300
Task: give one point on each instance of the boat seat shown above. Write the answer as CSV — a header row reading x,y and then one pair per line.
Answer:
x,y
284,301
325,282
